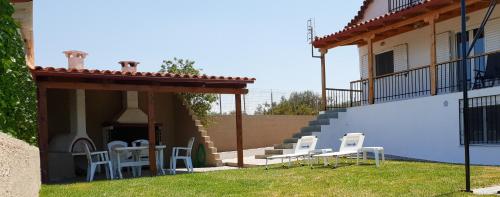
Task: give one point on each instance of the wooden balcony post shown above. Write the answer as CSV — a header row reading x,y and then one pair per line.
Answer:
x,y
43,133
151,133
323,79
371,74
433,64
239,131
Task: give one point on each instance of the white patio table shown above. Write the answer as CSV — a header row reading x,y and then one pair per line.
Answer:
x,y
376,152
137,162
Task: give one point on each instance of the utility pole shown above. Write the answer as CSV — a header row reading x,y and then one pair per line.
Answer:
x,y
244,105
272,103
220,104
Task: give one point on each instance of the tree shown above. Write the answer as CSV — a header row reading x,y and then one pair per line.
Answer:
x,y
201,104
17,89
299,103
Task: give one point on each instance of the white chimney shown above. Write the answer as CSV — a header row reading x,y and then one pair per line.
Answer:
x,y
129,66
75,59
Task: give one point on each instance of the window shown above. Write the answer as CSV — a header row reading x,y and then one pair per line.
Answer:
x,y
476,66
479,49
484,127
384,63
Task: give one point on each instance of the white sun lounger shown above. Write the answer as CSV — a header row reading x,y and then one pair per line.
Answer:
x,y
304,147
351,144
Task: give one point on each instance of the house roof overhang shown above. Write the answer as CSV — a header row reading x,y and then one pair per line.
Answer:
x,y
61,78
395,23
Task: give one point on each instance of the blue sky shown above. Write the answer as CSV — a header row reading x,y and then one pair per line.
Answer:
x,y
255,38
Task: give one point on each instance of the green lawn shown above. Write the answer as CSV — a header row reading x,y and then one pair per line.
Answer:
x,y
394,178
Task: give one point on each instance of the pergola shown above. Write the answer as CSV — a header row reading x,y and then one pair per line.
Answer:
x,y
61,78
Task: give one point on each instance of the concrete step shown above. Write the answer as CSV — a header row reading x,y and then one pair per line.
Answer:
x,y
261,156
300,134
212,149
336,110
219,163
215,156
283,146
209,143
273,152
291,140
312,128
206,138
328,116
319,122
203,132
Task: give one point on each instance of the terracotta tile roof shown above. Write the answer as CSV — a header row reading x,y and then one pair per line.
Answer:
x,y
361,13
356,24
153,76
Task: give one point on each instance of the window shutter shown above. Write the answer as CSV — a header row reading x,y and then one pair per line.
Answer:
x,y
492,35
443,47
400,57
363,66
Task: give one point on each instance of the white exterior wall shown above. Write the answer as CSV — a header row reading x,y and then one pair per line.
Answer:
x,y
418,41
422,128
376,9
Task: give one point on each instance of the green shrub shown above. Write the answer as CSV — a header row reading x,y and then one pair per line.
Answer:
x,y
199,103
17,90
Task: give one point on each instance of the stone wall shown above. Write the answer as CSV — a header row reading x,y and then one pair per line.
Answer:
x,y
19,167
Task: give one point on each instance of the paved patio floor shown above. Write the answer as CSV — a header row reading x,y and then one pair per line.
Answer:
x,y
230,159
487,190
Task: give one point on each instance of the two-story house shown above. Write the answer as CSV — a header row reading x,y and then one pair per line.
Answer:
x,y
408,97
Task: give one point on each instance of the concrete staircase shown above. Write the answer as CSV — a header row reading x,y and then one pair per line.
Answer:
x,y
313,128
212,157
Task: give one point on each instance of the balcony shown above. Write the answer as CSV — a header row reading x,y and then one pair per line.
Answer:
x,y
397,5
482,71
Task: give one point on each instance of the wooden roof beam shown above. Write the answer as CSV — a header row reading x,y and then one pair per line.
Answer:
x,y
451,7
130,87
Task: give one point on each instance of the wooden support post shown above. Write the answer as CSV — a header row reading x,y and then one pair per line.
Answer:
x,y
43,133
371,74
152,133
239,130
433,64
323,79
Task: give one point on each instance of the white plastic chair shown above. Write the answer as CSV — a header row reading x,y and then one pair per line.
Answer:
x,y
176,155
351,144
95,159
123,157
304,148
144,154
